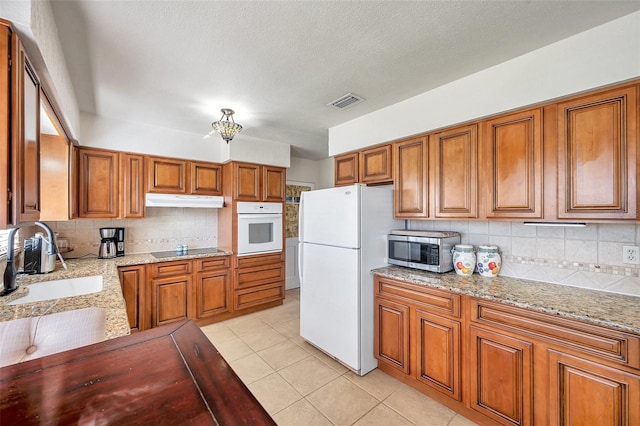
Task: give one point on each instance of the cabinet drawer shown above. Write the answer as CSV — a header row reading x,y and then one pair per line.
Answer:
x,y
262,259
258,295
429,299
168,269
212,263
591,339
251,277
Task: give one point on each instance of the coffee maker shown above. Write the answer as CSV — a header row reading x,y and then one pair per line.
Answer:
x,y
107,243
119,242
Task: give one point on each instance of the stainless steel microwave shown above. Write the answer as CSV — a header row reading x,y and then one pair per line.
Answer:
x,y
425,250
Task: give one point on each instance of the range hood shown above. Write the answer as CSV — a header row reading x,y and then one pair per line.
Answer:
x,y
178,200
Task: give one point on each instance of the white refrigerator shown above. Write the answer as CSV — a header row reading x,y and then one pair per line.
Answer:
x,y
342,236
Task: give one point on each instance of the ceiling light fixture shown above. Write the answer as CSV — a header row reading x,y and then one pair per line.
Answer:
x,y
226,126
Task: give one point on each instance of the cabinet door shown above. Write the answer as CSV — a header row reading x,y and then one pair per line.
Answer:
x,y
455,172
170,299
597,143
133,283
213,293
246,185
98,176
584,393
273,184
501,372
438,353
411,178
376,165
346,169
26,147
5,126
206,178
391,334
512,162
167,175
132,185
74,181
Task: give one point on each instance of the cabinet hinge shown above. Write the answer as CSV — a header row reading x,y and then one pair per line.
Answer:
x,y
9,195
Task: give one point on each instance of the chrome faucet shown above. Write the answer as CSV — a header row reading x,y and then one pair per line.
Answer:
x,y
10,271
53,247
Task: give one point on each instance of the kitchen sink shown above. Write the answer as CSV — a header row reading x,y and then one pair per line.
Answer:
x,y
57,289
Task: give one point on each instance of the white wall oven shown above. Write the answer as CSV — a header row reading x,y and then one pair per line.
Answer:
x,y
259,228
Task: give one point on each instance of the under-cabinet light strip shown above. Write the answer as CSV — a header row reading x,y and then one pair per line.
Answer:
x,y
566,224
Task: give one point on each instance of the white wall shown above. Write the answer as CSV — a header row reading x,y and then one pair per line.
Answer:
x,y
603,55
326,177
102,132
319,172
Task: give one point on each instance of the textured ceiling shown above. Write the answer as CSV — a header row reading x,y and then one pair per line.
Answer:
x,y
277,64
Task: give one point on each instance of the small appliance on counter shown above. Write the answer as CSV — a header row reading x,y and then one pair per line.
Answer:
x,y
119,242
37,260
111,243
107,243
425,250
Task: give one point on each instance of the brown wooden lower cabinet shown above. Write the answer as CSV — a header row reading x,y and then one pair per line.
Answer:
x,y
586,393
438,353
171,299
502,365
206,290
501,373
259,281
392,334
213,287
133,284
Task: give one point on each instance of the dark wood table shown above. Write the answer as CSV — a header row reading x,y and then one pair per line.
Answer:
x,y
169,375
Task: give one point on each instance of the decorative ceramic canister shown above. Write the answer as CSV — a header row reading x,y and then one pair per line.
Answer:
x,y
489,261
464,259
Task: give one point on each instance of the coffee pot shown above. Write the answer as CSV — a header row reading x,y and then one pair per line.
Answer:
x,y
107,243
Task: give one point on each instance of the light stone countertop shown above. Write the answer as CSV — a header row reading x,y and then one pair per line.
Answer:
x,y
110,298
618,311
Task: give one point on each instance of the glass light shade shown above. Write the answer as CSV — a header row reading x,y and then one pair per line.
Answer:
x,y
226,126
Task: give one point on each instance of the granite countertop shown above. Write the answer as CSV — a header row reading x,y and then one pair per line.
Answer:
x,y
617,311
110,298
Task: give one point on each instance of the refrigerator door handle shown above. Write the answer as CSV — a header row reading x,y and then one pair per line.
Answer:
x,y
300,263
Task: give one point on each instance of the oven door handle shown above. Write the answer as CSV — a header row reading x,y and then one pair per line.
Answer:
x,y
259,216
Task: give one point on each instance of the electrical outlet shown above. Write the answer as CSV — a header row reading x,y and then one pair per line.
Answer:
x,y
631,255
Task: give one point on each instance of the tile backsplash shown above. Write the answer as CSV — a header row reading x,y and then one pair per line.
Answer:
x,y
588,257
162,229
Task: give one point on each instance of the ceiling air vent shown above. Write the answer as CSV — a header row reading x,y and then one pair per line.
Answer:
x,y
346,101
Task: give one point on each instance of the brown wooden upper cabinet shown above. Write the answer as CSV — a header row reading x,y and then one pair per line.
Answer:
x,y
597,155
206,178
176,176
5,126
110,184
98,175
273,184
345,169
370,166
20,138
167,175
512,166
131,185
411,165
253,182
376,165
454,167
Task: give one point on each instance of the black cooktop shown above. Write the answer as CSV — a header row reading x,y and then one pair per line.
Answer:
x,y
172,253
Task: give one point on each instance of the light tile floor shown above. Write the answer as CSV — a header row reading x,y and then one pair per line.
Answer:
x,y
299,385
